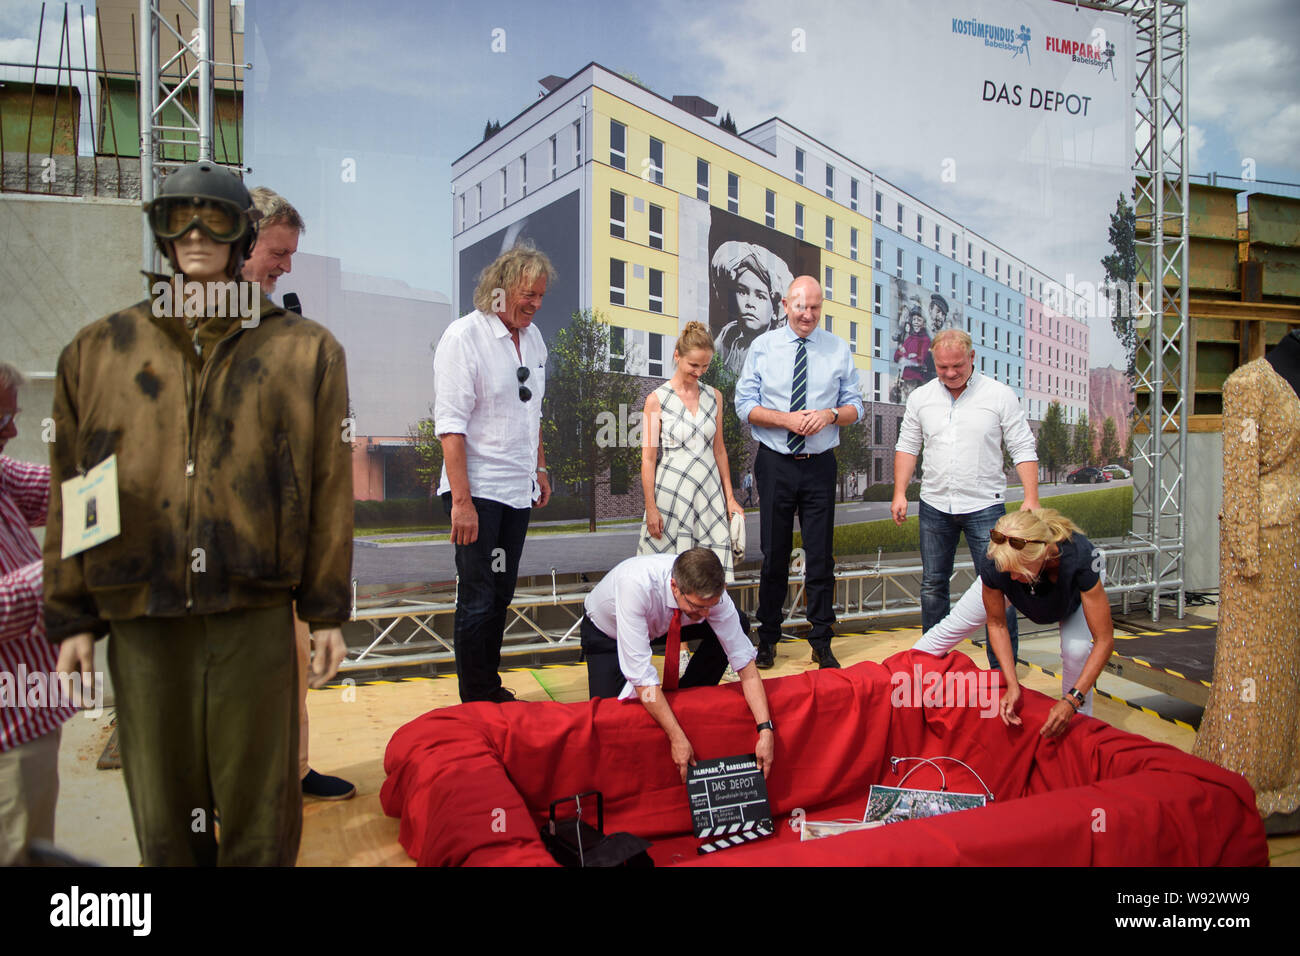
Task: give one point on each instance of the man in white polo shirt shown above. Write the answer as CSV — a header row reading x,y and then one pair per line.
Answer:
x,y
489,378
962,418
671,598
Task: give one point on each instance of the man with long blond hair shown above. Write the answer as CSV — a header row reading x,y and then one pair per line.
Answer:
x,y
489,378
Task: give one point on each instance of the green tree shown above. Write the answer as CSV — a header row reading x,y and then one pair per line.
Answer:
x,y
591,419
1128,449
853,453
734,438
1109,441
491,128
1121,273
727,123
1081,446
428,452
1053,441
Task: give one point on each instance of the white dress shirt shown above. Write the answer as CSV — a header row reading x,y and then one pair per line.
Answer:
x,y
962,471
634,605
476,394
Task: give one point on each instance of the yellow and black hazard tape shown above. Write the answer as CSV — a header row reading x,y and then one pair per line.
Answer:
x,y
1163,670
1115,697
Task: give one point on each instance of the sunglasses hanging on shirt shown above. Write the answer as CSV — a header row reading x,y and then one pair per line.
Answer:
x,y
522,373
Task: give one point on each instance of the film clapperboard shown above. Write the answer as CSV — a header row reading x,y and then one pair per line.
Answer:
x,y
728,799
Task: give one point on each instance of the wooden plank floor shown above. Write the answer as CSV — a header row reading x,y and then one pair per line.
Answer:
x,y
351,726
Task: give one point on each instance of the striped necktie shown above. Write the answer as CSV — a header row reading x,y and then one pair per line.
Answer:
x,y
798,395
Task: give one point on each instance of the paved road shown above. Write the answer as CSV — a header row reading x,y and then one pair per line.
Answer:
x,y
392,562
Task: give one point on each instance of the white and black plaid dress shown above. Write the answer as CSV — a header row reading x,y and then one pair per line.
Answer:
x,y
688,489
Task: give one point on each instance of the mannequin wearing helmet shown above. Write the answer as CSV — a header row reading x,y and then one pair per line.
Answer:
x,y
200,207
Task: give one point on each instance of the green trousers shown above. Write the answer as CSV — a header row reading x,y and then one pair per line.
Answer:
x,y
207,717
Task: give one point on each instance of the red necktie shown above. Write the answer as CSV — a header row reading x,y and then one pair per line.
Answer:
x,y
673,652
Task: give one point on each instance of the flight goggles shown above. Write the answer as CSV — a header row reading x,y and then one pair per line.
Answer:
x,y
171,217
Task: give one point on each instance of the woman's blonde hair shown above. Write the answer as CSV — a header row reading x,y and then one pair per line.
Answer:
x,y
1041,528
694,336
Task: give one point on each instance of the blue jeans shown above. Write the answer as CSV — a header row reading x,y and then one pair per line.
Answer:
x,y
939,531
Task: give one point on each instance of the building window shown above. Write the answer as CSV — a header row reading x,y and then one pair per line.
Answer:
x,y
984,329
968,250
577,142
656,350
997,267
616,353
656,227
954,245
504,192
830,283
656,161
880,467
733,193
937,279
554,157
920,228
798,220
954,285
968,289
995,339
461,212
830,181
877,350
878,304
617,283
936,237
830,324
771,209
853,194
523,174
853,291
853,244
984,299
798,166
617,215
899,221
984,261
879,423
920,278
830,234
701,180
619,478
1020,280
617,145
898,264
656,290
997,303
875,392
853,335
478,202
880,252
878,203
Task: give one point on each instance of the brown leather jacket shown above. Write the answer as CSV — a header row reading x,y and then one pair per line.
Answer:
x,y
234,469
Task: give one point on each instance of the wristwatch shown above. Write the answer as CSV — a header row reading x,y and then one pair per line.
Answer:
x,y
835,415
1075,697
766,725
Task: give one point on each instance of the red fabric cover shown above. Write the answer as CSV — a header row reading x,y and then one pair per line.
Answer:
x,y
471,784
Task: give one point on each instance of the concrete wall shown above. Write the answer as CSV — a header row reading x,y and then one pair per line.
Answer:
x,y
63,264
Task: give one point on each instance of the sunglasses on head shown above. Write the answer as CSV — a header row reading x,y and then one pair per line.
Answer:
x,y
525,393
997,537
173,216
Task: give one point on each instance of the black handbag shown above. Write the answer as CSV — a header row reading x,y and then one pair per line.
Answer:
x,y
574,842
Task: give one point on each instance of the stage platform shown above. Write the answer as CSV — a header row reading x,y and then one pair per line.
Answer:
x,y
352,723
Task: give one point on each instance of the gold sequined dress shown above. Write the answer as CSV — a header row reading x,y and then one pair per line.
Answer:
x,y
1252,719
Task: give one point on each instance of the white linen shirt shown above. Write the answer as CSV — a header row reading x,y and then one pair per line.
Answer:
x,y
962,471
634,604
476,394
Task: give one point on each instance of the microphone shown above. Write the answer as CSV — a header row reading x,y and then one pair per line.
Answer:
x,y
292,302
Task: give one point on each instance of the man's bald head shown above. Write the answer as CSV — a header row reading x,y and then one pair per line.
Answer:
x,y
803,305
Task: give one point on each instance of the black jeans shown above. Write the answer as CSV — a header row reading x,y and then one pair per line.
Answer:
x,y
605,677
787,487
487,570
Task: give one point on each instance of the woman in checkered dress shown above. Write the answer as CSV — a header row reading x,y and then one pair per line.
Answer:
x,y
688,494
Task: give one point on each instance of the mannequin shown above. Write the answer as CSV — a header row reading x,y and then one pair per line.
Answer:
x,y
1285,358
1252,718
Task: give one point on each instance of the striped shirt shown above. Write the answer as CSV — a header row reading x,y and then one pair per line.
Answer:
x,y
26,657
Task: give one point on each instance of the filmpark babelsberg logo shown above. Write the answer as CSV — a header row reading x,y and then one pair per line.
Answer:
x,y
1097,51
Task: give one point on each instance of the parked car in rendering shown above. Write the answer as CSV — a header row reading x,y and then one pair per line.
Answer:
x,y
1086,476
1117,471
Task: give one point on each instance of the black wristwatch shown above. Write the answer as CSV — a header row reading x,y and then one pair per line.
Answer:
x,y
835,416
1073,692
766,725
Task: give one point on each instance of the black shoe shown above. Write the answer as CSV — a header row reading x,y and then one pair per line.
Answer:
x,y
324,787
824,658
766,658
501,696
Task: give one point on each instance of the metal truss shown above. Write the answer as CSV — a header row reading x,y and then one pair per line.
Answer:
x,y
156,95
545,619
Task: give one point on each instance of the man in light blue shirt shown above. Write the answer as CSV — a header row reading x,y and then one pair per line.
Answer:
x,y
799,385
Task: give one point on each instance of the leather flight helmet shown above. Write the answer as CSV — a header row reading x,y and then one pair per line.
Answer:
x,y
208,196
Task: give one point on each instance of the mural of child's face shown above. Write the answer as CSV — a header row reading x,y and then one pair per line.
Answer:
x,y
753,302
